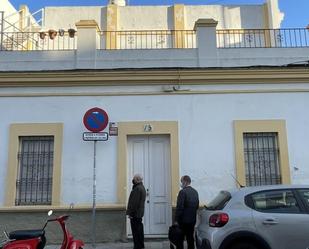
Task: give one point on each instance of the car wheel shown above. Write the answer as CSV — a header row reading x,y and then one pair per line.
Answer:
x,y
244,245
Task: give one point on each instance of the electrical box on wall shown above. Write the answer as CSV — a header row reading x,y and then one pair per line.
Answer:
x,y
113,129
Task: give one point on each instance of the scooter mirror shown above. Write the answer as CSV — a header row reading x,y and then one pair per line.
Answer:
x,y
50,212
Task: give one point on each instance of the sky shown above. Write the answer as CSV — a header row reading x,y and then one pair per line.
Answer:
x,y
296,11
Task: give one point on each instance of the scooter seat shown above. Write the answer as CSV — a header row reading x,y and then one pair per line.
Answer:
x,y
26,234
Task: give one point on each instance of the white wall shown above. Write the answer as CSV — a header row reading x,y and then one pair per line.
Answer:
x,y
275,16
228,17
205,132
10,14
151,58
145,18
158,17
7,7
68,16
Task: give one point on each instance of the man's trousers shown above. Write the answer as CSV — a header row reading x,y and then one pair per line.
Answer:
x,y
188,233
137,232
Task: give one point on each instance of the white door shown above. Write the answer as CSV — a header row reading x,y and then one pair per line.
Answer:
x,y
150,157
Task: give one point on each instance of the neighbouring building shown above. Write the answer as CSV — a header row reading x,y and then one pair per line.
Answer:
x,y
216,92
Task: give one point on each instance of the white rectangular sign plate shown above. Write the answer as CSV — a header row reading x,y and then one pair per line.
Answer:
x,y
95,136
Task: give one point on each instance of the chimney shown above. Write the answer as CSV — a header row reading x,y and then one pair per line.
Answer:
x,y
118,2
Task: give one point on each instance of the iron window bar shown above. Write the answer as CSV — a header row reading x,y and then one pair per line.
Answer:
x,y
35,171
261,154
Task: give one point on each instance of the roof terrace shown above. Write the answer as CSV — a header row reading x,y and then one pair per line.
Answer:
x,y
88,47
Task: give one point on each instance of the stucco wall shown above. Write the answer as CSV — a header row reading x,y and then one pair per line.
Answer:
x,y
228,17
158,17
145,18
68,16
206,137
152,58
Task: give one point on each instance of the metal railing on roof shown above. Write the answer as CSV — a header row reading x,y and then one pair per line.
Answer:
x,y
39,17
148,39
24,22
17,31
1,27
156,39
33,41
263,38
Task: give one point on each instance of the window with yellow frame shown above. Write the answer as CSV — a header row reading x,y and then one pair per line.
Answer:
x,y
261,152
27,143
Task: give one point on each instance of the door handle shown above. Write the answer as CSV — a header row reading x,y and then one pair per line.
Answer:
x,y
147,194
270,222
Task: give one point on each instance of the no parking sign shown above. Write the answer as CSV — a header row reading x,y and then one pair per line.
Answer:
x,y
95,120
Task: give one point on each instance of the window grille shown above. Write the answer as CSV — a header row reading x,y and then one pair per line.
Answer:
x,y
261,153
35,170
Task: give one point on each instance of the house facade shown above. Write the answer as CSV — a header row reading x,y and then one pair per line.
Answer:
x,y
215,92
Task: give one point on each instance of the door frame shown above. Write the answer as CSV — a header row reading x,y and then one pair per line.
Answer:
x,y
146,175
126,129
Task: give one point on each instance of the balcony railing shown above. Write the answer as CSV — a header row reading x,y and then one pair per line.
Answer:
x,y
157,39
263,38
32,41
148,39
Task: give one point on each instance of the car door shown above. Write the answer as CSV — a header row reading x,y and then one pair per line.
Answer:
x,y
281,219
303,194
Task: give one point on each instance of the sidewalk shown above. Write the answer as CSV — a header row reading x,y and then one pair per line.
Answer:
x,y
160,244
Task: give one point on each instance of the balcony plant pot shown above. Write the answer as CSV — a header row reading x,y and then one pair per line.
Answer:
x,y
42,35
61,32
52,34
71,32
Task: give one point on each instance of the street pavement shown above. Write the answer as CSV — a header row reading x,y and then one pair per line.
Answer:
x,y
153,244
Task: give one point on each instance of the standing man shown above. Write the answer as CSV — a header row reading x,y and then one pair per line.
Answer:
x,y
187,206
135,211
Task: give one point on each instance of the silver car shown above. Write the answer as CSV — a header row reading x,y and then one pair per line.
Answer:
x,y
265,217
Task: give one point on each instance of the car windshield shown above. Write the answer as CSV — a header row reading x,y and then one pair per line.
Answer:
x,y
219,201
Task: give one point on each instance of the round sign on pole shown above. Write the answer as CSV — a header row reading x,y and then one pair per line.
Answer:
x,y
95,119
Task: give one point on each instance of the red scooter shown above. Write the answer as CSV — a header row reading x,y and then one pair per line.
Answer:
x,y
35,239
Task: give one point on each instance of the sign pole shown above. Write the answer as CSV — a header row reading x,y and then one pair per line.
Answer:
x,y
94,194
95,120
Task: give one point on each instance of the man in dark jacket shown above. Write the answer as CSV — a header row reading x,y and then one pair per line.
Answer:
x,y
135,211
187,206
